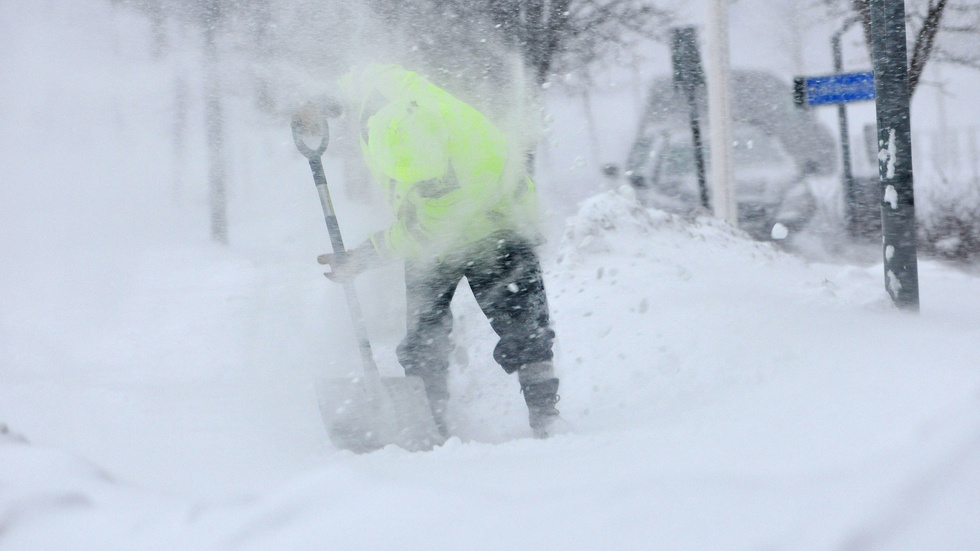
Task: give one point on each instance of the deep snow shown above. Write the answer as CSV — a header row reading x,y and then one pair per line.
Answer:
x,y
724,394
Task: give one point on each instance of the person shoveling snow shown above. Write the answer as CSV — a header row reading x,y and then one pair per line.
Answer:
x,y
464,208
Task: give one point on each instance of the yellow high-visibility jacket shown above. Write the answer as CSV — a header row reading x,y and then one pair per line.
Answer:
x,y
448,174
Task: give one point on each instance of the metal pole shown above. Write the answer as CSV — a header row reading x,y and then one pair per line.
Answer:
x,y
698,148
215,134
974,161
336,239
179,137
689,78
719,114
889,55
942,149
850,199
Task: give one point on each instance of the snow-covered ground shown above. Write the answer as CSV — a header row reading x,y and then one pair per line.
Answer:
x,y
158,389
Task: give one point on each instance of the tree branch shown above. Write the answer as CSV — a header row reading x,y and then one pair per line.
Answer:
x,y
863,9
924,42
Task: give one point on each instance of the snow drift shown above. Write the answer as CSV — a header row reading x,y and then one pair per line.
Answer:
x,y
724,394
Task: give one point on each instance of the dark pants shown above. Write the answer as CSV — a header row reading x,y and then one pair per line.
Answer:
x,y
505,276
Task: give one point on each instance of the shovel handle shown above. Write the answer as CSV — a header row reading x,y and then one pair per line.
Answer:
x,y
301,123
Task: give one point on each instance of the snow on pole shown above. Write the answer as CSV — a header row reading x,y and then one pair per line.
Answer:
x,y
889,56
719,114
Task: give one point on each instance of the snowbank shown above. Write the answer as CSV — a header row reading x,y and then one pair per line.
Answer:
x,y
723,394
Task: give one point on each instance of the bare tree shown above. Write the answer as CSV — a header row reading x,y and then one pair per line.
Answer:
x,y
468,43
561,35
474,47
940,30
208,15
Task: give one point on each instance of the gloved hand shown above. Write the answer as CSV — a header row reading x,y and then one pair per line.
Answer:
x,y
345,266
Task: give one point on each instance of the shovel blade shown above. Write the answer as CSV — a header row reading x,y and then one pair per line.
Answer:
x,y
363,416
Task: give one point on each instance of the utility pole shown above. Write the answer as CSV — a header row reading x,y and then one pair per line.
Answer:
x,y
719,114
943,156
179,137
213,120
890,59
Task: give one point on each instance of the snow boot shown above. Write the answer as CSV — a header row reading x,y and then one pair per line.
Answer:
x,y
540,388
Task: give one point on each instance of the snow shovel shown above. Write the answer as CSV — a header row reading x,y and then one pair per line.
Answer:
x,y
367,412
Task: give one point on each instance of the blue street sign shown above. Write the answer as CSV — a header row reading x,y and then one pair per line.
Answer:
x,y
844,88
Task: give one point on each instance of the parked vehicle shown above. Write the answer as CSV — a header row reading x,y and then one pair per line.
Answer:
x,y
777,149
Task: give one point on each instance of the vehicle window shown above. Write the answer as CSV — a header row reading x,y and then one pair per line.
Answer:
x,y
751,149
757,151
678,159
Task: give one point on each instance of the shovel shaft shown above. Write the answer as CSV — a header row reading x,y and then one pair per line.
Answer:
x,y
364,415
360,333
337,242
329,216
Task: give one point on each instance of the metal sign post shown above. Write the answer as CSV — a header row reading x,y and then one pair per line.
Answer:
x,y
888,53
850,195
839,89
689,78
